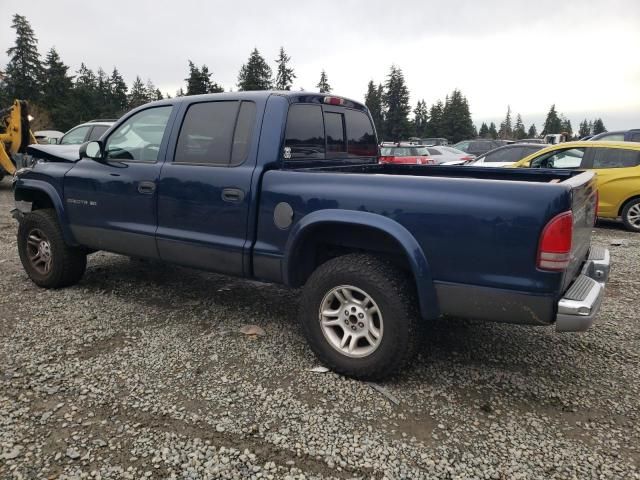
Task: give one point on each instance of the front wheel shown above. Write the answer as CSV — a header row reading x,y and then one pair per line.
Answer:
x,y
47,259
359,316
631,215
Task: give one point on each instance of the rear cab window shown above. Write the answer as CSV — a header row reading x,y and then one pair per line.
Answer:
x,y
328,133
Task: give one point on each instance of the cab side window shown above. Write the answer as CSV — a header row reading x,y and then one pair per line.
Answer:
x,y
615,158
138,138
304,137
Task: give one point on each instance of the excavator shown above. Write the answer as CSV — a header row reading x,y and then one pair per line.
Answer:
x,y
15,135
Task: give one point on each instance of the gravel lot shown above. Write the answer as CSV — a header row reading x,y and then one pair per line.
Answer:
x,y
140,371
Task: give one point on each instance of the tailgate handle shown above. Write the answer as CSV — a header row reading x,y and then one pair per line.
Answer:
x,y
233,195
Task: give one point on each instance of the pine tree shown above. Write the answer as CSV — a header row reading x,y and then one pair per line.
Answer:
x,y
284,75
552,124
103,94
138,93
420,119
118,94
456,118
484,130
396,106
373,101
518,130
56,91
598,126
584,129
533,131
199,81
506,129
255,74
85,95
565,126
210,87
493,132
24,69
323,85
434,126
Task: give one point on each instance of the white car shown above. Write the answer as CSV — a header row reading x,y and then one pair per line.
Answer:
x,y
445,155
507,155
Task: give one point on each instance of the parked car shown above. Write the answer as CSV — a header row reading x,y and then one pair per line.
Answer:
x,y
632,135
507,154
617,165
85,132
445,155
286,187
430,141
45,137
409,154
479,146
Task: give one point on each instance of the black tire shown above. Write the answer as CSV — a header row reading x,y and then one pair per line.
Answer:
x,y
394,293
67,264
630,215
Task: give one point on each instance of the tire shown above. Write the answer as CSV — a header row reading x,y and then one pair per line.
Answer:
x,y
387,288
57,265
631,215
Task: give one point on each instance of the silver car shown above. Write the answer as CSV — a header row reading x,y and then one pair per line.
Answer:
x,y
443,154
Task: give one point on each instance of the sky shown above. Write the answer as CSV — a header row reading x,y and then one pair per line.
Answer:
x,y
581,56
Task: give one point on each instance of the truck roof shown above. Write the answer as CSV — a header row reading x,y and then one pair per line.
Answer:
x,y
262,95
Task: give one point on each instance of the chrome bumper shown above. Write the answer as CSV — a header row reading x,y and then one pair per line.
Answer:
x,y
578,308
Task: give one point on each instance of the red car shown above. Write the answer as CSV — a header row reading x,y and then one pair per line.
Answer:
x,y
414,155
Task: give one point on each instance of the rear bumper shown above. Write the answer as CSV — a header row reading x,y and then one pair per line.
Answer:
x,y
579,306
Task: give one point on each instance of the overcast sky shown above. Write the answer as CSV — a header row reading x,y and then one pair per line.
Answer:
x,y
580,55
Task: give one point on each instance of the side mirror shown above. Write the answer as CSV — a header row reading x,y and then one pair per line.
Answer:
x,y
92,150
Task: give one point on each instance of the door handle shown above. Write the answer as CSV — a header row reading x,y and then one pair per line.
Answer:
x,y
233,195
146,187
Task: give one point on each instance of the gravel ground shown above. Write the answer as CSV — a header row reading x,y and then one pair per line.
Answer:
x,y
140,371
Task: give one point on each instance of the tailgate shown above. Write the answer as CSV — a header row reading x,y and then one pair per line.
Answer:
x,y
584,200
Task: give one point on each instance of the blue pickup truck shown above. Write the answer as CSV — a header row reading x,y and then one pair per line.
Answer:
x,y
286,187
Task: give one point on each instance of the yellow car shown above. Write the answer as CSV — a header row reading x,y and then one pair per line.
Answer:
x,y
617,165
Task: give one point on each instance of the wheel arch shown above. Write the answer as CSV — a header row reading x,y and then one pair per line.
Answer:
x,y
43,195
346,231
626,202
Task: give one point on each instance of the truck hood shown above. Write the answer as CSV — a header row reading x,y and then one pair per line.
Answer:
x,y
55,153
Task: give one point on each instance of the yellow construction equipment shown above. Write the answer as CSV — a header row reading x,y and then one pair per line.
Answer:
x,y
15,134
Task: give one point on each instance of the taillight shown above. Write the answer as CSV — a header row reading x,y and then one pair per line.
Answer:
x,y
428,161
468,158
554,247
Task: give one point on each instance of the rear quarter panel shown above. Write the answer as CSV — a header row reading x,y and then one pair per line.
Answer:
x,y
616,186
474,232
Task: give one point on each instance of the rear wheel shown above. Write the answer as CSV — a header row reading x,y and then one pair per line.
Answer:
x,y
359,316
631,215
46,258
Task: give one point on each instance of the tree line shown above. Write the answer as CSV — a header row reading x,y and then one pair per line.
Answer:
x,y
61,100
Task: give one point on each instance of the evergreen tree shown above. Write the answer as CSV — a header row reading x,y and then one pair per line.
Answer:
x,y
456,118
118,99
565,126
85,100
420,119
284,75
434,126
255,74
56,91
323,85
518,130
24,70
484,131
552,124
493,132
138,94
396,105
506,128
598,126
591,126
180,93
584,129
103,94
533,131
373,101
199,81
